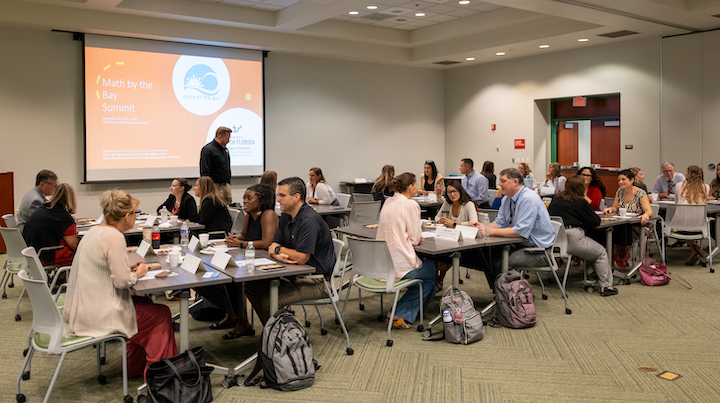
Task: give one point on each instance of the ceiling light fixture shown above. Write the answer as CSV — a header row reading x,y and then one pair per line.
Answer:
x,y
500,54
544,46
463,2
372,7
354,12
583,40
419,14
469,59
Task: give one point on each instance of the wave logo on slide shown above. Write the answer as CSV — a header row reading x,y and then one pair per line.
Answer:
x,y
201,84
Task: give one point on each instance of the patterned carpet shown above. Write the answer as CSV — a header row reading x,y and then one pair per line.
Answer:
x,y
592,355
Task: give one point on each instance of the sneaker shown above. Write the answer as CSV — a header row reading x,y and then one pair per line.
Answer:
x,y
607,292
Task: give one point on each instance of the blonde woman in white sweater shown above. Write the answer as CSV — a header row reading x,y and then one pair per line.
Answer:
x,y
99,300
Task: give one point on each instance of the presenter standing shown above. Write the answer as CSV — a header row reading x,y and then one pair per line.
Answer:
x,y
215,162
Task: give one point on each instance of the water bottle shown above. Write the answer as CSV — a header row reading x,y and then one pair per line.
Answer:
x,y
447,317
156,237
163,215
528,182
485,223
250,257
184,234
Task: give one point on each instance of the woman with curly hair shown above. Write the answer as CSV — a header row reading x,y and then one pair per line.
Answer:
x,y
594,188
693,191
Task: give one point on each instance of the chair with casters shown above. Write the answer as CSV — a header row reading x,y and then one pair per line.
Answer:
x,y
15,262
550,264
362,197
238,220
47,328
657,239
371,264
363,213
333,291
10,221
689,222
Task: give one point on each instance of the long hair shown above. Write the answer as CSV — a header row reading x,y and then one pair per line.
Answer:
x,y
433,169
207,189
269,178
384,181
555,171
595,181
488,167
715,184
403,181
64,195
694,188
527,168
265,196
464,197
318,172
116,204
574,189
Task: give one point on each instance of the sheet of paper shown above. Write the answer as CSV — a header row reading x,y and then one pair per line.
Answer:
x,y
429,234
151,275
258,262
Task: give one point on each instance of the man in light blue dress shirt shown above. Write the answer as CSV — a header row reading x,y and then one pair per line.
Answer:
x,y
475,184
522,214
665,183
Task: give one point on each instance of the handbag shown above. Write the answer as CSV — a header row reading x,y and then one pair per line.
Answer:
x,y
181,379
655,273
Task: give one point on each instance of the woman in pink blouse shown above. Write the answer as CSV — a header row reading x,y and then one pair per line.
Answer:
x,y
400,227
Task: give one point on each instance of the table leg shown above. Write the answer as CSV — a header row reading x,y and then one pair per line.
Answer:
x,y
608,243
184,295
505,258
643,239
274,284
456,270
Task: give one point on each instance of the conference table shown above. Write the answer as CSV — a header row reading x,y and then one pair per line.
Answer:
x,y
137,229
323,209
608,223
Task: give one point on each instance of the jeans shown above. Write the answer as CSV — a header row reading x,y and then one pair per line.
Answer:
x,y
408,307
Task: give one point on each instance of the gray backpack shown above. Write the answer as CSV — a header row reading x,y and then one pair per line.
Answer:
x,y
284,355
466,325
514,301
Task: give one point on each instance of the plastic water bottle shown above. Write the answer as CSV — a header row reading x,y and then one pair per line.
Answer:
x,y
156,237
485,223
250,258
528,182
447,317
163,215
184,234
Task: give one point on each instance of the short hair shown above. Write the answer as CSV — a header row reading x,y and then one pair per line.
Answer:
x,y
667,163
184,184
468,161
512,173
627,172
295,185
403,181
222,130
44,176
265,196
65,196
116,204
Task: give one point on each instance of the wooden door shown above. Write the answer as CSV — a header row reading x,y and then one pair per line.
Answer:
x,y
7,200
567,143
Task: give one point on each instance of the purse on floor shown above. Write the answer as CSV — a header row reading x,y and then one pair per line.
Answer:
x,y
181,379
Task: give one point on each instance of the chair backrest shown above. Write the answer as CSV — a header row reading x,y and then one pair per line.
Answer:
x,y
364,213
362,197
655,210
34,266
15,243
46,317
337,274
687,217
492,214
561,237
371,258
343,199
238,219
609,201
10,221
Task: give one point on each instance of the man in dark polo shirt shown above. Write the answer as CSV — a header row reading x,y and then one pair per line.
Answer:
x,y
215,162
302,237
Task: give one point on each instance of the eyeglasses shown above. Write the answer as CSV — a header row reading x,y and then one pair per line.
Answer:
x,y
429,162
52,184
667,171
586,175
452,192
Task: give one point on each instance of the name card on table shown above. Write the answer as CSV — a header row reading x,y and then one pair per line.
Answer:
x,y
192,245
192,264
149,222
144,249
448,234
467,231
221,260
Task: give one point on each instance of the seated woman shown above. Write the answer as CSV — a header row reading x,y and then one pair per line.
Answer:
x,y
579,217
259,227
99,300
400,227
458,208
636,201
594,188
319,192
179,203
640,180
554,181
715,185
213,213
53,225
431,180
488,171
526,171
270,178
382,187
692,191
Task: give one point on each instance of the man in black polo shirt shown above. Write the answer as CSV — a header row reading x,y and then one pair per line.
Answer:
x,y
302,237
215,162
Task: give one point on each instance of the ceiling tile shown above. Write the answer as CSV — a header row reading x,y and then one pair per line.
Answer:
x,y
406,27
423,23
397,11
442,18
417,5
243,3
269,7
385,24
480,6
282,3
389,3
463,12
441,8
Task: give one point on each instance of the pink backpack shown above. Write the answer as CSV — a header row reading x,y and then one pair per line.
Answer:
x,y
655,273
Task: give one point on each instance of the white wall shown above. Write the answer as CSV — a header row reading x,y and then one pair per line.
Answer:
x,y
504,93
347,118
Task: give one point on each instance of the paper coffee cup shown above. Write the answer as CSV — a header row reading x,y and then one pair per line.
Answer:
x,y
174,257
204,238
173,219
623,212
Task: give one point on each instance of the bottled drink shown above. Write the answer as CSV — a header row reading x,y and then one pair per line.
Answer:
x,y
447,317
250,257
438,193
528,182
156,237
485,223
163,215
184,234
458,316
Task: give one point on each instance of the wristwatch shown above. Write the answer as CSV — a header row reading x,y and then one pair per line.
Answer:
x,y
277,249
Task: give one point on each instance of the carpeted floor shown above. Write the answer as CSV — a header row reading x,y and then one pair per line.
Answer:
x,y
594,354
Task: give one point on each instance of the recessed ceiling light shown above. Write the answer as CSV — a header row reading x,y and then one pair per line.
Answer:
x,y
583,40
544,46
419,14
354,12
500,54
463,2
469,59
372,7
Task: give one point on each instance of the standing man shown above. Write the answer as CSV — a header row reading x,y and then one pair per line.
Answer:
x,y
522,214
215,162
475,185
45,184
302,237
665,183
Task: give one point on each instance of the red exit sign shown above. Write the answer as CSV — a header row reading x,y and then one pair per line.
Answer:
x,y
519,144
579,101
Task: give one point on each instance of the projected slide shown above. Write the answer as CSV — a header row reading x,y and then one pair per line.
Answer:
x,y
151,106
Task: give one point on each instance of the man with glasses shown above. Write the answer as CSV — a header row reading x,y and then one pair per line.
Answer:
x,y
665,183
45,184
475,185
302,237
